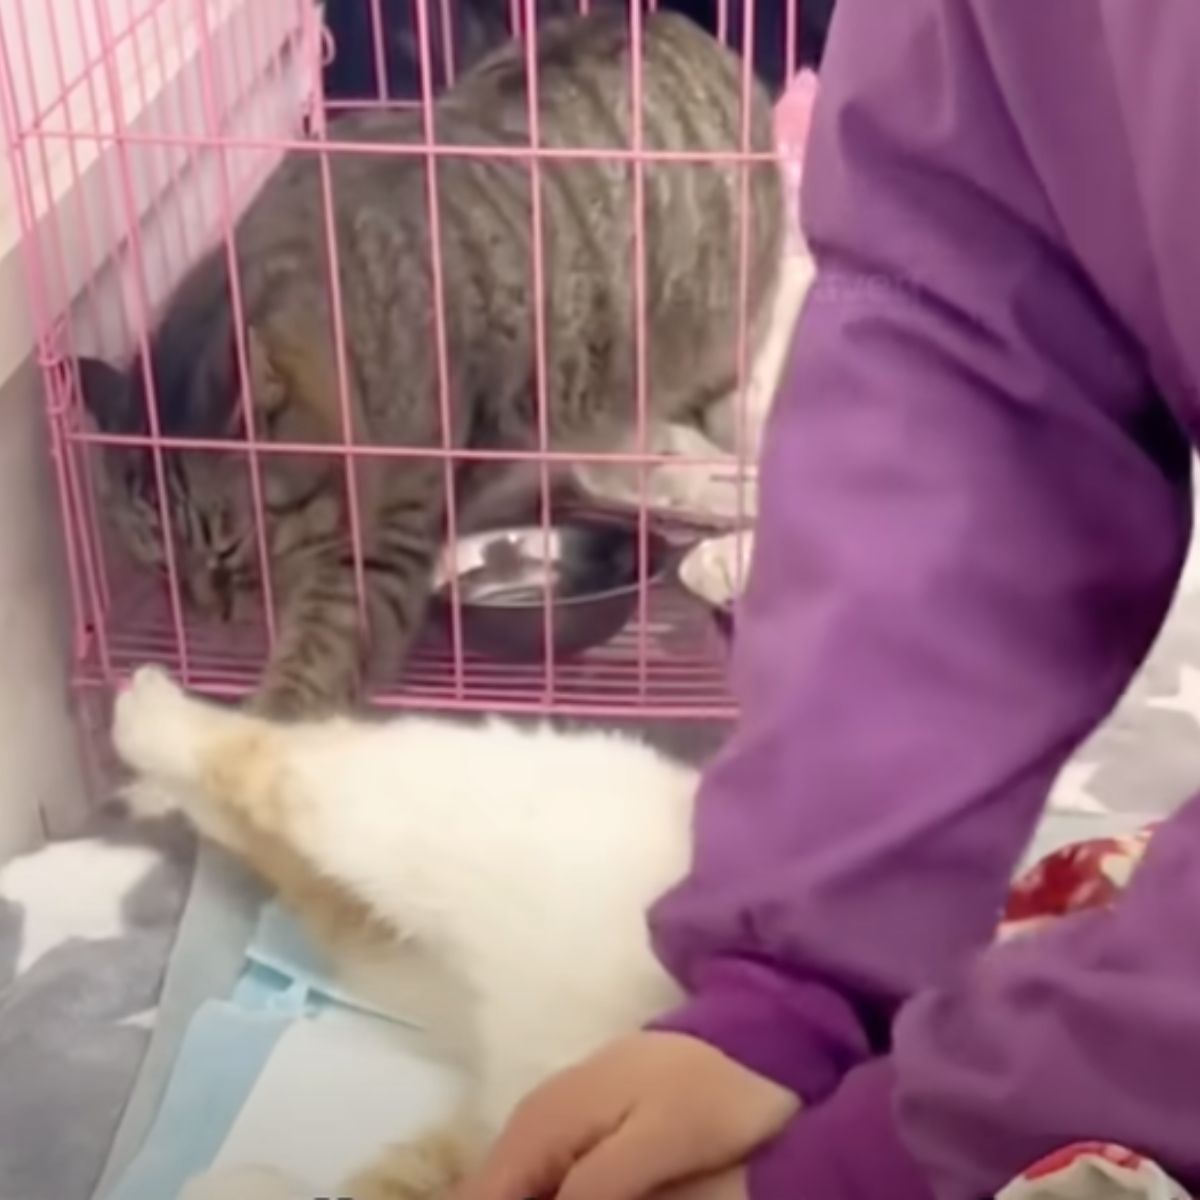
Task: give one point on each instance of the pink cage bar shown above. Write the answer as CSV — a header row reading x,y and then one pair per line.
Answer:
x,y
136,131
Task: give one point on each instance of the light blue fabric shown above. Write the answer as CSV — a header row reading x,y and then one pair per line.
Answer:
x,y
220,1058
209,956
226,1049
280,947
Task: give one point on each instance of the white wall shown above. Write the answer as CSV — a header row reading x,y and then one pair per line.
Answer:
x,y
40,776
75,199
266,65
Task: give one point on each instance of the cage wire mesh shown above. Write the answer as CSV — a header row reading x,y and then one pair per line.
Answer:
x,y
137,132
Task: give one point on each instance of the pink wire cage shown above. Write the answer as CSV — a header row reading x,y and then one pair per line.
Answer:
x,y
136,131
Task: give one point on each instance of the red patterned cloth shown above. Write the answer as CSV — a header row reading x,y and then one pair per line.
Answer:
x,y
1085,875
1094,1171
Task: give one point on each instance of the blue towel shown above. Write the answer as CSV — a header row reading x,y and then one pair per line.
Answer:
x,y
220,1057
226,1047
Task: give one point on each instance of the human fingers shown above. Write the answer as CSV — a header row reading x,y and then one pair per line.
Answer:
x,y
727,1184
548,1132
649,1149
671,1134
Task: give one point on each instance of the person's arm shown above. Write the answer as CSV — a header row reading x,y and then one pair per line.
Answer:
x,y
973,513
1088,1030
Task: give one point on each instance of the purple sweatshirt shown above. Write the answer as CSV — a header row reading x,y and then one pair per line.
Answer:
x,y
974,511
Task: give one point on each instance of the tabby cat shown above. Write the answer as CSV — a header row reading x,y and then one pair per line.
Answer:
x,y
691,102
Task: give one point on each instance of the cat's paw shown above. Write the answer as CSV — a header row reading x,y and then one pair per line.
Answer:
x,y
287,702
244,1183
426,1169
151,722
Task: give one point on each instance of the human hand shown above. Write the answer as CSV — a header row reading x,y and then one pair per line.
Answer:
x,y
647,1111
729,1184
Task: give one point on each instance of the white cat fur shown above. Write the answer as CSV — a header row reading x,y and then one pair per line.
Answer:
x,y
521,860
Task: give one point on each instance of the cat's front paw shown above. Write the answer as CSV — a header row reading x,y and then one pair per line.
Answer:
x,y
244,1183
291,703
150,723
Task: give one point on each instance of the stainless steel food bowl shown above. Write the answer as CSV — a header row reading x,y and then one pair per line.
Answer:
x,y
592,570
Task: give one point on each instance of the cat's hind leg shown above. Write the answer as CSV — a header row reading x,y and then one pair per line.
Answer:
x,y
165,735
226,770
261,787
309,807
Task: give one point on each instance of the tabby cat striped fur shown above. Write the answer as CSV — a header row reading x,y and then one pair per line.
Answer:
x,y
691,101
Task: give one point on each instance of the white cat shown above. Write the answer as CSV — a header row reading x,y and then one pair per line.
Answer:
x,y
520,860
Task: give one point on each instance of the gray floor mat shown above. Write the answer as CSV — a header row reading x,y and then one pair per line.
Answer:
x,y
87,927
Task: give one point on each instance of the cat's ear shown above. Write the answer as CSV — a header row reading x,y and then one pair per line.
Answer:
x,y
108,397
112,404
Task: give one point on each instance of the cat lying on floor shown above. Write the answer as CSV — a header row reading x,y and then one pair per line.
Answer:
x,y
520,861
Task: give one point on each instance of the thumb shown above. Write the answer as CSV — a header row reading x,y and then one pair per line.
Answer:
x,y
641,1155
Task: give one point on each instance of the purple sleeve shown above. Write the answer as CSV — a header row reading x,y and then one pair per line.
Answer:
x,y
1088,1030
973,514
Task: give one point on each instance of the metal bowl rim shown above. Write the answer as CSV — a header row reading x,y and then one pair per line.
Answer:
x,y
657,546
